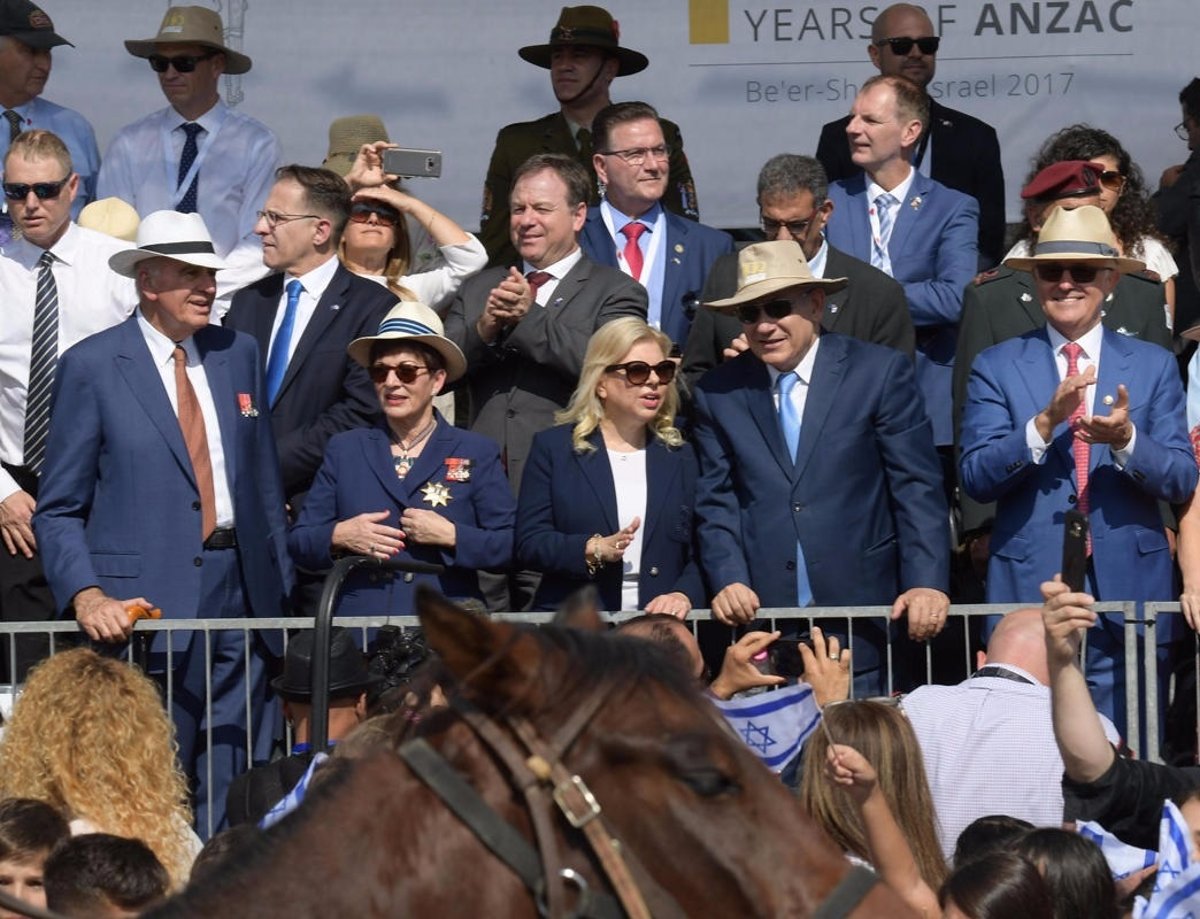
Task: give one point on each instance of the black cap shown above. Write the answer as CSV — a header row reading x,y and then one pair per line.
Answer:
x,y
348,674
29,25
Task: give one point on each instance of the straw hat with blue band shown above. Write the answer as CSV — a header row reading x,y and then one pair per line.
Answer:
x,y
410,320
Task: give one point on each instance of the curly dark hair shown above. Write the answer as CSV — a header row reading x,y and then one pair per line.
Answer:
x,y
1133,218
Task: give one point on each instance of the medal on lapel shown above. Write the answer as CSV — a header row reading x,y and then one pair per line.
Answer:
x,y
435,494
246,405
458,469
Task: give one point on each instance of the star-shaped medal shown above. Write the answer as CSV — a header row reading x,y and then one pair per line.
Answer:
x,y
436,494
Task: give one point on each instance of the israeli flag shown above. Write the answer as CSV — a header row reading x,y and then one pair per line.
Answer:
x,y
774,724
1123,860
1176,893
292,799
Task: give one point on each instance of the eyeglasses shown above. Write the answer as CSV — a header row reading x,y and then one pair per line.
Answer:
x,y
1181,130
386,217
795,228
274,218
1112,180
1080,274
19,191
405,373
748,313
185,63
635,156
901,46
638,372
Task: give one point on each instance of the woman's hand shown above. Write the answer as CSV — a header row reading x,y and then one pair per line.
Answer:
x,y
428,528
366,534
848,768
674,604
609,549
367,170
385,194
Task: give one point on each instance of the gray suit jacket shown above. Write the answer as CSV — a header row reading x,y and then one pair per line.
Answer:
x,y
517,383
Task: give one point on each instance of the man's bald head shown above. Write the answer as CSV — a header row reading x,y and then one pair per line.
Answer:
x,y
1020,639
672,634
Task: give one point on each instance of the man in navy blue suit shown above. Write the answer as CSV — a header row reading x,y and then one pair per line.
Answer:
x,y
630,230
852,512
908,226
1077,416
161,488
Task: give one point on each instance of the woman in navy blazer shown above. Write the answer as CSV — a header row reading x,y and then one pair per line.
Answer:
x,y
415,487
607,497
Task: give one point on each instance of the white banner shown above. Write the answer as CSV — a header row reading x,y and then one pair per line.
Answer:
x,y
744,80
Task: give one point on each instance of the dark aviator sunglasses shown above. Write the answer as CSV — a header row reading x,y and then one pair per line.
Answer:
x,y
184,63
901,46
638,372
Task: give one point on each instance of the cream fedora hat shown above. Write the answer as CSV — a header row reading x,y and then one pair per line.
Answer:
x,y
1081,234
169,234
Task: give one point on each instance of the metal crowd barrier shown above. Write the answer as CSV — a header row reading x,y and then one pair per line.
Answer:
x,y
1139,655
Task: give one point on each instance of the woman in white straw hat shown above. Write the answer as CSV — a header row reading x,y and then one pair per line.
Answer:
x,y
415,487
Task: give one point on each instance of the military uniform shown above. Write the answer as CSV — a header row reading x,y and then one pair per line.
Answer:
x,y
517,142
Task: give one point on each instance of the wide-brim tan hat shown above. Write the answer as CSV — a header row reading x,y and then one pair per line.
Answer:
x,y
112,217
193,25
768,267
411,320
591,27
169,234
1082,235
347,135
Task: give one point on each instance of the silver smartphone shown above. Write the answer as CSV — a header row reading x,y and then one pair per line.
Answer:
x,y
412,164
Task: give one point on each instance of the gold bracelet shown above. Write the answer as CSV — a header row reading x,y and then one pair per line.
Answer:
x,y
596,562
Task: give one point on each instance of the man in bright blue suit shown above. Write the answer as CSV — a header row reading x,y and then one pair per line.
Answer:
x,y
667,254
907,225
1075,416
161,488
819,480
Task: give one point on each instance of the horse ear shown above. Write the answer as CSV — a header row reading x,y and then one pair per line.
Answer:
x,y
493,658
582,611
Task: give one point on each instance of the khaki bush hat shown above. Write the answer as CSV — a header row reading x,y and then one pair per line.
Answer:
x,y
193,25
347,135
769,267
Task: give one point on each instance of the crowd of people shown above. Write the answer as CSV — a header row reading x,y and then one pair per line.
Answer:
x,y
218,377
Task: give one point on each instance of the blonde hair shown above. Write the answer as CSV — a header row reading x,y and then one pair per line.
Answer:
x,y
89,735
882,734
611,342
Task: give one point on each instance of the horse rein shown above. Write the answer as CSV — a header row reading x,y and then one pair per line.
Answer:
x,y
538,771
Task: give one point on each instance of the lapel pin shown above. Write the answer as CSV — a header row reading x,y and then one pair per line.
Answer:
x,y
1025,297
675,260
1108,400
915,203
679,247
458,469
435,494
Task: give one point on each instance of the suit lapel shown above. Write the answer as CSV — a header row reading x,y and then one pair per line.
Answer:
x,y
835,304
823,388
760,404
431,462
220,386
860,222
574,281
673,251
378,454
660,477
597,470
325,313
907,218
263,318
1116,366
601,246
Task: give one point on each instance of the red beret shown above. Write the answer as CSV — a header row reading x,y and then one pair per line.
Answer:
x,y
1064,180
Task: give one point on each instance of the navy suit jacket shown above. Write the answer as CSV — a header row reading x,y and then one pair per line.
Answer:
x,y
323,391
358,476
119,507
567,497
966,157
1011,383
690,250
934,256
863,497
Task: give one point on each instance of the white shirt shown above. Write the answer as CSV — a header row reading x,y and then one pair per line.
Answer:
x,y
313,287
988,746
651,242
629,479
237,171
1091,342
804,371
435,283
91,297
900,194
162,352
557,272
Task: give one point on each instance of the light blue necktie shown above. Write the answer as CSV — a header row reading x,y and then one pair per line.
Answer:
x,y
879,247
277,365
789,423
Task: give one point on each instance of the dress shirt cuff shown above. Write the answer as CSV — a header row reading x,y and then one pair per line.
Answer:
x,y
1122,457
8,485
1037,446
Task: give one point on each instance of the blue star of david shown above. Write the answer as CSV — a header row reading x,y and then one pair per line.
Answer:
x,y
757,738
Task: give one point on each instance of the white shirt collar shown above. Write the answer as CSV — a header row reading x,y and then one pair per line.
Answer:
x,y
900,192
162,348
315,281
804,370
209,120
1090,340
559,269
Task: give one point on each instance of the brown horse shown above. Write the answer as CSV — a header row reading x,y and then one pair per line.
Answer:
x,y
668,801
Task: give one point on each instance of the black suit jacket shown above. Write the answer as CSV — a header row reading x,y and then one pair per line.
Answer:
x,y
870,308
1003,304
323,391
966,157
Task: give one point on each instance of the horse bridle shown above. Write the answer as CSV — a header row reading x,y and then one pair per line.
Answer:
x,y
535,767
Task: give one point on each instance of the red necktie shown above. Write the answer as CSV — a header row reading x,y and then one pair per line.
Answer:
x,y
1079,449
536,279
633,252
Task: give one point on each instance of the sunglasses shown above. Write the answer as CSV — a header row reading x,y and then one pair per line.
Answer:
x,y
1080,274
19,191
795,228
405,373
638,372
185,63
775,310
1112,180
386,217
902,46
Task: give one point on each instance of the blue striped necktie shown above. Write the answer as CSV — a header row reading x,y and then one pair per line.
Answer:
x,y
43,359
879,248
